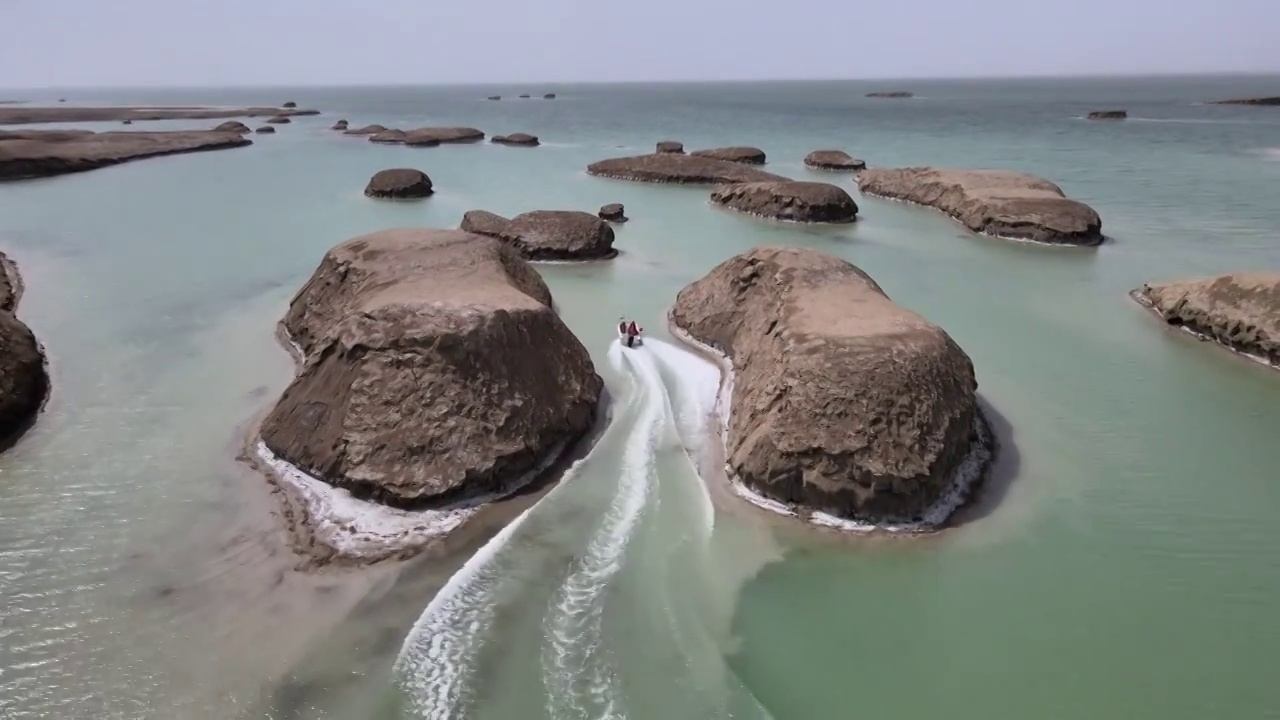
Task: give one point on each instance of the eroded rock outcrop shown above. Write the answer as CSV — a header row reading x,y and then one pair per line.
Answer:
x,y
740,154
24,377
549,96
427,137
842,402
547,234
340,125
613,212
27,154
1239,311
279,120
899,94
1108,115
523,139
366,130
995,202
483,222
679,168
24,114
388,137
266,130
837,160
434,370
809,202
234,126
401,183
670,146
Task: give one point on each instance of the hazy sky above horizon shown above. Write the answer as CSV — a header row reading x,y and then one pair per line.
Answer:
x,y
336,42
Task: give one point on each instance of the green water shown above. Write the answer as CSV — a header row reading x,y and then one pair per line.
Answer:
x,y
1121,564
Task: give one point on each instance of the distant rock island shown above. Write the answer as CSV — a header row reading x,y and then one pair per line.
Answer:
x,y
671,167
1002,203
1240,311
22,115
837,160
843,403
806,202
739,154
1108,115
42,153
522,139
547,234
434,375
24,377
891,94
1273,100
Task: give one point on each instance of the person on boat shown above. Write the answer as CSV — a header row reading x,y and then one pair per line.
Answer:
x,y
622,327
633,333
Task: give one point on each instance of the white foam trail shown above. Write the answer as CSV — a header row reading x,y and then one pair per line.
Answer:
x,y
573,656
435,663
697,382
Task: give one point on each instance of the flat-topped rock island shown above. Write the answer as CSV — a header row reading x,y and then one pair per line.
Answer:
x,y
842,406
1002,203
681,169
35,153
434,376
1240,312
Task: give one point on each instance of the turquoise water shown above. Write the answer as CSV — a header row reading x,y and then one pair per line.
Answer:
x,y
1121,564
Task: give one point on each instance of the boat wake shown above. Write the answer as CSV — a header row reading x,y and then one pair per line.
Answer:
x,y
593,598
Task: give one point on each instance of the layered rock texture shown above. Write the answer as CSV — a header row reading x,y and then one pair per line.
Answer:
x,y
809,202
434,371
995,202
436,136
842,402
1239,311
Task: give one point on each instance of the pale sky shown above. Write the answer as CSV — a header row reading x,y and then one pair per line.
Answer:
x,y
85,43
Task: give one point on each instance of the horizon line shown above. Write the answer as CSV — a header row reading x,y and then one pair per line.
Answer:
x,y
686,81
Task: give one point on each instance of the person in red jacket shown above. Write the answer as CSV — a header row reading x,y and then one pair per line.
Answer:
x,y
633,332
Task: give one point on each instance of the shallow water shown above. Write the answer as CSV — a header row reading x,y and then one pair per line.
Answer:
x,y
1121,566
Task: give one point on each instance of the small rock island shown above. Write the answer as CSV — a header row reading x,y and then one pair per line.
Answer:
x,y
434,375
806,202
547,234
1108,115
835,160
1002,203
399,183
844,405
517,139
1240,312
